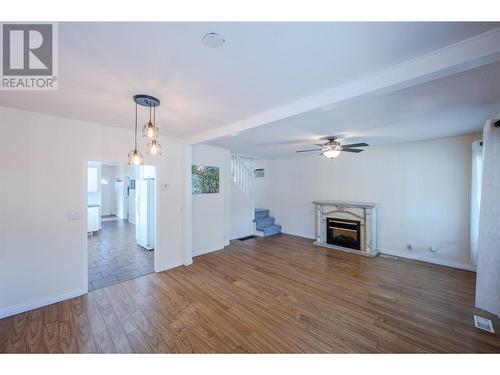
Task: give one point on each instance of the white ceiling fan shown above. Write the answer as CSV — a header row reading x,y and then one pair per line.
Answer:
x,y
332,147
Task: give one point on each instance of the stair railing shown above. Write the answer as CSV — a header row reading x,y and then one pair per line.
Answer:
x,y
242,175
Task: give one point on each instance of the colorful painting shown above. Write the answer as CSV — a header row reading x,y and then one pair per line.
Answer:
x,y
205,179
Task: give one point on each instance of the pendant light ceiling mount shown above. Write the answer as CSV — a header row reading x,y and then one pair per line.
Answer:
x,y
147,100
150,130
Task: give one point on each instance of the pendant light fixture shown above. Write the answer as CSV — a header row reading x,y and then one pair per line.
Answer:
x,y
154,148
150,130
134,156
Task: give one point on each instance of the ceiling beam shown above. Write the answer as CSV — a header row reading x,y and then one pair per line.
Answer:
x,y
467,54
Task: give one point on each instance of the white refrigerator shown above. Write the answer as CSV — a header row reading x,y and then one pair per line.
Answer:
x,y
145,213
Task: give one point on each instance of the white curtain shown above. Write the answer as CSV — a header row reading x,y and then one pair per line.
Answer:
x,y
488,252
477,176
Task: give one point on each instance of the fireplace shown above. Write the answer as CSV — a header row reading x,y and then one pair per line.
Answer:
x,y
343,232
347,226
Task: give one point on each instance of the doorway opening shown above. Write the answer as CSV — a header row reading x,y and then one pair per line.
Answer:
x,y
121,222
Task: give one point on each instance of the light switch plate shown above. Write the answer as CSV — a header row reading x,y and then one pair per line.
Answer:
x,y
73,215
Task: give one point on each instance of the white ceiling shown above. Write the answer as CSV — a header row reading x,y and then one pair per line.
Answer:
x,y
456,104
262,65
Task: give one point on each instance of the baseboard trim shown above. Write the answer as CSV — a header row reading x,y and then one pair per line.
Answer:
x,y
37,303
440,262
170,266
206,251
426,259
241,236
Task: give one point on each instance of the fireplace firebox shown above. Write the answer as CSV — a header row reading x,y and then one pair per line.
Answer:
x,y
343,232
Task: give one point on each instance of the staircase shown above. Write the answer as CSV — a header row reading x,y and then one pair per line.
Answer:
x,y
242,176
265,224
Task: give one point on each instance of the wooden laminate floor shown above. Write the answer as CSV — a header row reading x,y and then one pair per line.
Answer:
x,y
276,294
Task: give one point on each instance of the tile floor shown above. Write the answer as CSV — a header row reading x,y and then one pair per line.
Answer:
x,y
114,255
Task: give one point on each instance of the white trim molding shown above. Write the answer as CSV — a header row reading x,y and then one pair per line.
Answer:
x,y
206,251
40,302
170,266
432,260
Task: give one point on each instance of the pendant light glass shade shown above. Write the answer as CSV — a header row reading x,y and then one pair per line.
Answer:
x,y
135,157
150,130
154,148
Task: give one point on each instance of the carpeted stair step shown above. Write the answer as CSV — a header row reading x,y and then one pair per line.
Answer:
x,y
271,230
261,213
264,222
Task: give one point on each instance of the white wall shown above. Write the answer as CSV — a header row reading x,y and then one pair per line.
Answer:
x,y
210,212
241,213
43,179
423,189
242,208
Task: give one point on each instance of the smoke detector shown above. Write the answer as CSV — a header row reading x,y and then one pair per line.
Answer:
x,y
213,40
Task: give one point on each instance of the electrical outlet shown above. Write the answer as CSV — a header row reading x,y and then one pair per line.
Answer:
x,y
432,249
408,246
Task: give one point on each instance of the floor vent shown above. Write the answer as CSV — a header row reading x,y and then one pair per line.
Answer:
x,y
483,323
386,256
246,238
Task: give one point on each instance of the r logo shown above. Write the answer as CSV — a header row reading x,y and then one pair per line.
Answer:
x,y
27,50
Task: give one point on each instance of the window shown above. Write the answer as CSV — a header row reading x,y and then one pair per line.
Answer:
x,y
92,178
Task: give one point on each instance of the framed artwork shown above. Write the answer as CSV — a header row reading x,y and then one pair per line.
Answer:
x,y
205,179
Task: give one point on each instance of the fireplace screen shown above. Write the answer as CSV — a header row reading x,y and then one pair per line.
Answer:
x,y
343,232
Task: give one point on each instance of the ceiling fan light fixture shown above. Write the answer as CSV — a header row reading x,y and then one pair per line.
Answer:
x,y
333,147
331,153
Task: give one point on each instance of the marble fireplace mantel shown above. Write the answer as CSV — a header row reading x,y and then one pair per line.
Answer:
x,y
364,212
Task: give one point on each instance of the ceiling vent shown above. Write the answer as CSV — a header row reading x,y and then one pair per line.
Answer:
x,y
213,40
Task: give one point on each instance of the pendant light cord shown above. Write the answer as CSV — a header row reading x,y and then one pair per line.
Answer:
x,y
136,126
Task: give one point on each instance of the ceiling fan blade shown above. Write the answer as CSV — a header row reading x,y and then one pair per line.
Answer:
x,y
319,144
314,149
356,145
351,150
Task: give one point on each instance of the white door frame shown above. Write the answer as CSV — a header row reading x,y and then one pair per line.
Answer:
x,y
85,250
